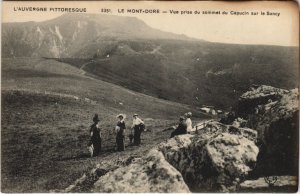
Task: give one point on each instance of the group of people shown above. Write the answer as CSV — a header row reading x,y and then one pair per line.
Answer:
x,y
95,132
185,125
138,126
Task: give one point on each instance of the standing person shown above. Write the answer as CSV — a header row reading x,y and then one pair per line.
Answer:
x,y
181,128
95,132
137,126
188,122
120,132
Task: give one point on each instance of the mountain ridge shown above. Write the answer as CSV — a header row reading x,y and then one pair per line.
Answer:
x,y
64,35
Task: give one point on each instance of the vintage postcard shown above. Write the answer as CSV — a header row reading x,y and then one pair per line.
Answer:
x,y
149,96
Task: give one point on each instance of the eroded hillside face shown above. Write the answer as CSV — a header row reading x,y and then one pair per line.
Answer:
x,y
64,36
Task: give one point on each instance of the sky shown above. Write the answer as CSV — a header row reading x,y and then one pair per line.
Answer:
x,y
282,29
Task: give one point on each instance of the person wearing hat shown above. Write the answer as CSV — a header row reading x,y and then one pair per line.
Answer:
x,y
188,122
181,128
137,127
95,132
120,133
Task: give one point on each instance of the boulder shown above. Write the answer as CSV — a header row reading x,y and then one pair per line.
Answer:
x,y
274,114
257,96
151,173
213,127
216,159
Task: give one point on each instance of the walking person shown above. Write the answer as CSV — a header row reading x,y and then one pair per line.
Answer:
x,y
181,128
137,126
120,133
188,122
95,132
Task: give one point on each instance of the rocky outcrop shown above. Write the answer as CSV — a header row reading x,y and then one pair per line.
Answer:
x,y
274,114
250,101
219,157
214,160
149,174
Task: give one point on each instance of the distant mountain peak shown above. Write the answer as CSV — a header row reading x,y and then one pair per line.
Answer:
x,y
69,33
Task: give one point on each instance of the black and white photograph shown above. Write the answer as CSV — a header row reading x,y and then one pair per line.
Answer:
x,y
149,97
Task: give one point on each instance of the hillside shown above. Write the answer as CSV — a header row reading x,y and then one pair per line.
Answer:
x,y
189,72
37,74
47,107
127,52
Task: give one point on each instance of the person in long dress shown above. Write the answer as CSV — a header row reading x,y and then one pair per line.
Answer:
x,y
95,133
120,132
137,126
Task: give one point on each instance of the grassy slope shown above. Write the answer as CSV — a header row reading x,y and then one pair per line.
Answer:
x,y
47,75
44,137
192,72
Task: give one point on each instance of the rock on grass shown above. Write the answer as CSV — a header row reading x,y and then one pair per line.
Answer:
x,y
149,174
215,160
